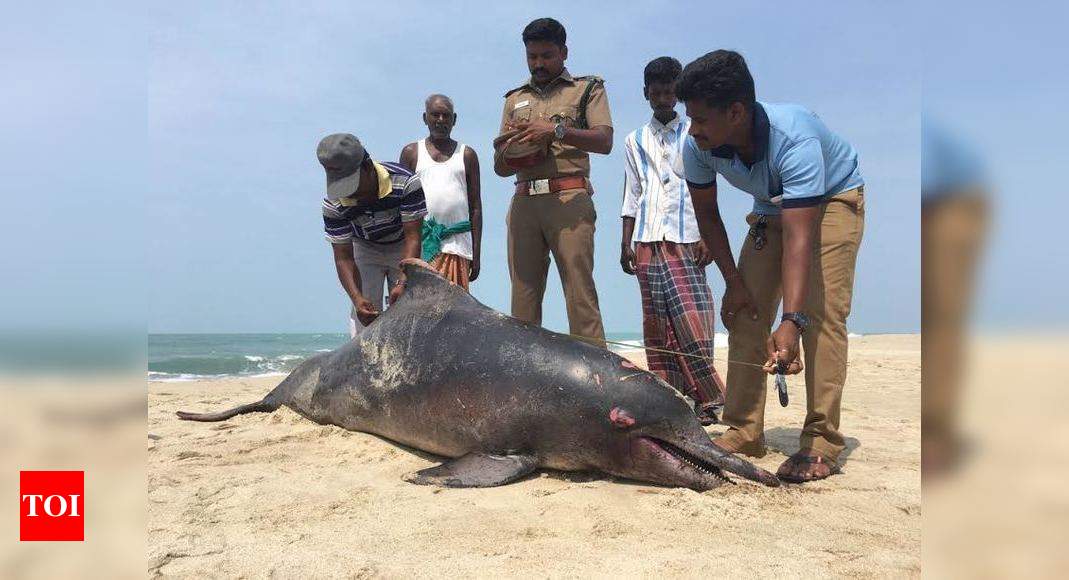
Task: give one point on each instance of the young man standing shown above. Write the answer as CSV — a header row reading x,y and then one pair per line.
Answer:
x,y
563,119
449,173
806,229
373,214
668,256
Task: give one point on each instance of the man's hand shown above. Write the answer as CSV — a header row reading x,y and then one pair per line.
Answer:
x,y
737,302
783,347
538,131
397,290
627,259
702,255
365,311
503,138
473,270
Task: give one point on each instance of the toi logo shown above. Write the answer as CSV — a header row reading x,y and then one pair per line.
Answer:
x,y
52,506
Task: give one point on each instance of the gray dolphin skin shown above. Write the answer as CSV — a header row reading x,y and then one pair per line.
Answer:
x,y
440,372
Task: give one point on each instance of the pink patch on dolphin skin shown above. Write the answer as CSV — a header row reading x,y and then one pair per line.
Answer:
x,y
621,418
629,365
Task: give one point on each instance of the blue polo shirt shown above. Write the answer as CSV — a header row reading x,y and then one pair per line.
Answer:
x,y
798,161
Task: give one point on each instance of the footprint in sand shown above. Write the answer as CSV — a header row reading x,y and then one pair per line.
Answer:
x,y
535,532
611,529
190,455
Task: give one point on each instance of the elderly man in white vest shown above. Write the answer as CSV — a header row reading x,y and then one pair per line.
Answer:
x,y
449,172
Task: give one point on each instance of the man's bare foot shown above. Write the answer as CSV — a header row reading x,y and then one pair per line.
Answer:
x,y
750,449
719,443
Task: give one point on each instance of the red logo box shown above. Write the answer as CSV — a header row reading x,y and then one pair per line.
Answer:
x,y
52,506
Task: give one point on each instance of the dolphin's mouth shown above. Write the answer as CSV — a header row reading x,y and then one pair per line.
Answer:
x,y
686,460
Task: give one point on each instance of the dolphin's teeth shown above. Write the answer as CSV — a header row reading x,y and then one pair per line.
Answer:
x,y
699,466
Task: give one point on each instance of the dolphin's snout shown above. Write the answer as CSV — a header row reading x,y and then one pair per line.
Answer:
x,y
734,464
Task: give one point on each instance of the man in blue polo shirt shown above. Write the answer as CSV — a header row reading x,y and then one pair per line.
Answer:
x,y
805,231
373,217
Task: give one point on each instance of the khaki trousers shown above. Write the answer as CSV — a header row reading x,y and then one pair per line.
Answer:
x,y
824,343
561,224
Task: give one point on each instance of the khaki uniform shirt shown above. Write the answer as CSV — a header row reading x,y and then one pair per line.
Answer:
x,y
559,102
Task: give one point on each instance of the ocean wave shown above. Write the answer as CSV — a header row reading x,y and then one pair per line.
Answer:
x,y
192,367
173,378
186,377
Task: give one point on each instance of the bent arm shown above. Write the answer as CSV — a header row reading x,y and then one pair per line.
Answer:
x,y
711,226
593,140
348,273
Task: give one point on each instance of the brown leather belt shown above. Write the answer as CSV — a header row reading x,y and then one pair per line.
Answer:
x,y
552,185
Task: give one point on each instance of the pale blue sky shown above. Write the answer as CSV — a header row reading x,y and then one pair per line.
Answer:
x,y
998,79
238,97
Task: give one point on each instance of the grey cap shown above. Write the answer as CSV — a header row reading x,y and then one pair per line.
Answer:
x,y
341,155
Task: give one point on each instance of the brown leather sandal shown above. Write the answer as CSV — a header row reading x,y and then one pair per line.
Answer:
x,y
789,471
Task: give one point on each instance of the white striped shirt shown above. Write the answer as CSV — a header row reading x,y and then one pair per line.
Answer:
x,y
654,194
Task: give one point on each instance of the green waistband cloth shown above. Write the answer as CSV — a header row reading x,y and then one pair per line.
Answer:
x,y
434,232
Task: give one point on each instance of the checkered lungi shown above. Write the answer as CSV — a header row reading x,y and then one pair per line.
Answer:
x,y
678,314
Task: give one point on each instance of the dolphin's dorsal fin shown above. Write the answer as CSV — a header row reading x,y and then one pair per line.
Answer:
x,y
423,281
422,274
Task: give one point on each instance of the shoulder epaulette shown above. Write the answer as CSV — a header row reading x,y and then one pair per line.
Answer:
x,y
510,91
594,78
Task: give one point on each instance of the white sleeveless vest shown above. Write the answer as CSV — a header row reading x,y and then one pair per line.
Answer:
x,y
446,188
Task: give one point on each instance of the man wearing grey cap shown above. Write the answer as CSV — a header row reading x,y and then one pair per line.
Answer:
x,y
373,217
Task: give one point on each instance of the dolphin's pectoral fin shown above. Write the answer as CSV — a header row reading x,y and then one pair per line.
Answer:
x,y
476,470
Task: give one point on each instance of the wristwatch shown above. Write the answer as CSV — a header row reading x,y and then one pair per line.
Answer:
x,y
800,320
558,131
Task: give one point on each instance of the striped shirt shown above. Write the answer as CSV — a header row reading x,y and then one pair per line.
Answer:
x,y
379,221
655,194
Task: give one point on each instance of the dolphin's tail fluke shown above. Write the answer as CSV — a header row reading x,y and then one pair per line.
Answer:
x,y
262,406
305,375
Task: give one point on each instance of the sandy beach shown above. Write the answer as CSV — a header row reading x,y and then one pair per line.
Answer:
x,y
274,495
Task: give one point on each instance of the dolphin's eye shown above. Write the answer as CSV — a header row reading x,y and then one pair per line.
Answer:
x,y
621,418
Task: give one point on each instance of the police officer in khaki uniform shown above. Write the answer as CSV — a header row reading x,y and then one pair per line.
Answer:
x,y
549,126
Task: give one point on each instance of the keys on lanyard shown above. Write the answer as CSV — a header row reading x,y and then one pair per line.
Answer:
x,y
758,233
781,383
